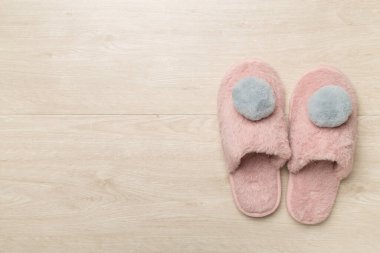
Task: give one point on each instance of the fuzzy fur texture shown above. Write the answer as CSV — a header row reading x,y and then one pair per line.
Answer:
x,y
253,98
254,150
330,106
321,157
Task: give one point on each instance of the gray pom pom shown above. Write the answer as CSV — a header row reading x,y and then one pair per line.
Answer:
x,y
330,106
253,98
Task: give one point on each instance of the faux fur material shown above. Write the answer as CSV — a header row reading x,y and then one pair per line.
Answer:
x,y
321,157
254,150
330,106
253,98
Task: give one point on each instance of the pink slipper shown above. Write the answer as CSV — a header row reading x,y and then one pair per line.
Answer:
x,y
254,136
323,126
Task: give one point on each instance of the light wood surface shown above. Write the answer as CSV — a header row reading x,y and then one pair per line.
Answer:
x,y
108,133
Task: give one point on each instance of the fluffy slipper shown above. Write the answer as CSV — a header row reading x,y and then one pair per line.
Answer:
x,y
254,136
323,125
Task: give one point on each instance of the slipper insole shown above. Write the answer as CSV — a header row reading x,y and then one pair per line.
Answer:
x,y
312,192
256,184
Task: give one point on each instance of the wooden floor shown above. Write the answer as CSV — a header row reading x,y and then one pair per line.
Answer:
x,y
108,132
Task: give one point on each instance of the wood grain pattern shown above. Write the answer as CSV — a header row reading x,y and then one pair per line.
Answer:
x,y
166,57
108,133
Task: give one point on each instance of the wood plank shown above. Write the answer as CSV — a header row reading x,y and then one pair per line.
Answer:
x,y
157,184
168,57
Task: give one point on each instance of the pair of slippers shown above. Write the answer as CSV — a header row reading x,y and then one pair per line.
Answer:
x,y
318,147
